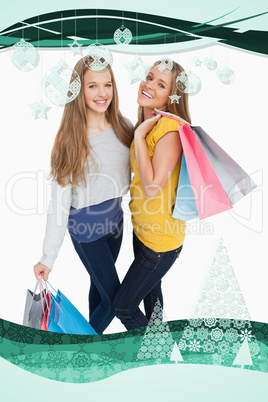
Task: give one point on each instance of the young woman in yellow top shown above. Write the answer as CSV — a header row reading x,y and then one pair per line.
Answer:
x,y
155,157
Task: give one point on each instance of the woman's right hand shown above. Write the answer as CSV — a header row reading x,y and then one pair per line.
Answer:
x,y
146,126
42,270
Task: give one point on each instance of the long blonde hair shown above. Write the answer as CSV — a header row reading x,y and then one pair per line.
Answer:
x,y
71,151
181,109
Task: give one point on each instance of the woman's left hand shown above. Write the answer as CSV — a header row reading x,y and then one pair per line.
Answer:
x,y
146,126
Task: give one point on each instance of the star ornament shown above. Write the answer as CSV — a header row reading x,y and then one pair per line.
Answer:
x,y
197,62
39,109
137,70
75,48
175,98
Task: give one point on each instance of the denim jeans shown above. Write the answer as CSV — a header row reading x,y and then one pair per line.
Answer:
x,y
142,281
99,259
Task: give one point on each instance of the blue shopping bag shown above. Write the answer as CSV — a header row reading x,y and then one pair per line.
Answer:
x,y
185,207
65,318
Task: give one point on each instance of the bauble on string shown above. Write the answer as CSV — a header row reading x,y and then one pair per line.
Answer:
x,y
165,65
122,36
210,63
76,48
225,75
62,84
188,82
24,56
97,57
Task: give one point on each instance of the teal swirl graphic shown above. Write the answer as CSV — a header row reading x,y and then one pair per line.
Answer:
x,y
55,30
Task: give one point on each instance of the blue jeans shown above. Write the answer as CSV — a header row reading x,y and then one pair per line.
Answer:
x,y
142,281
99,259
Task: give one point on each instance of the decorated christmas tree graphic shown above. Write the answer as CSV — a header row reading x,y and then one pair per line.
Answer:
x,y
220,330
220,295
157,343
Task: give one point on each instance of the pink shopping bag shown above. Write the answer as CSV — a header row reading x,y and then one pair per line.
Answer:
x,y
210,197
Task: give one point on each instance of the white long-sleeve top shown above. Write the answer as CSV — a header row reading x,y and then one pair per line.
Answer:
x,y
108,178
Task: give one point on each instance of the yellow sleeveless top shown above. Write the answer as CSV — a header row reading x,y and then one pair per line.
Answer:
x,y
152,217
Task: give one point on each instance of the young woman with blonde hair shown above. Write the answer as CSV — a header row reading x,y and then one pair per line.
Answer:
x,y
91,172
155,157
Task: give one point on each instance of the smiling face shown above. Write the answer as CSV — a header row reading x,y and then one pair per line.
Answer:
x,y
155,92
98,90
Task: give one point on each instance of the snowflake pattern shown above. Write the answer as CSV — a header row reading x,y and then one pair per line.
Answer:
x,y
20,334
57,361
216,334
209,346
188,333
210,322
246,334
231,335
194,345
225,322
81,361
202,333
195,322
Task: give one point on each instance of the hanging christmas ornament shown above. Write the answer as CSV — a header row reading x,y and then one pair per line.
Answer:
x,y
210,63
24,56
62,84
97,57
188,82
39,109
165,65
122,36
225,75
137,70
75,48
175,98
197,62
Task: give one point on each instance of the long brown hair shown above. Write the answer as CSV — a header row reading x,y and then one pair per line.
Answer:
x,y
181,109
71,151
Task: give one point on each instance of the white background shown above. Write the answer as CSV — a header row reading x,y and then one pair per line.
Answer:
x,y
234,115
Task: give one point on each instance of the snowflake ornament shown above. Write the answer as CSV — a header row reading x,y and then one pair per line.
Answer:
x,y
165,65
39,109
97,57
122,36
62,84
210,63
75,48
175,98
197,62
188,82
225,75
24,56
137,70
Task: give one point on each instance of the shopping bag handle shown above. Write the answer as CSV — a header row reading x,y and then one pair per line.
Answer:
x,y
54,298
172,116
38,281
42,291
